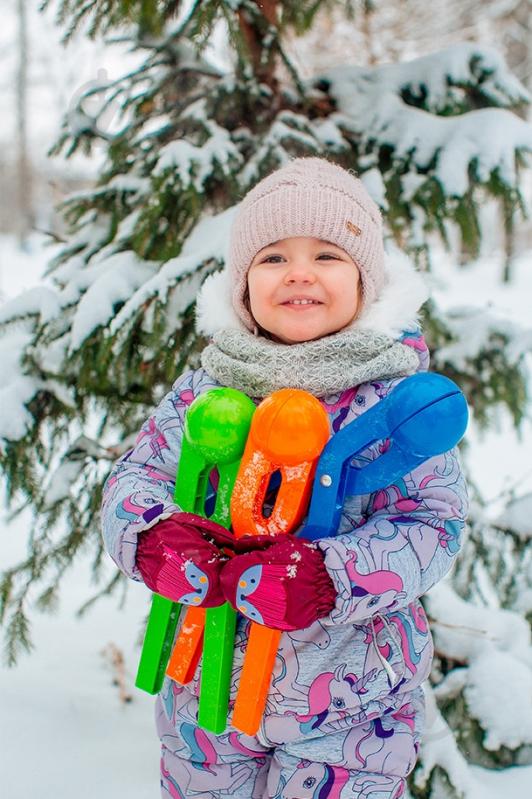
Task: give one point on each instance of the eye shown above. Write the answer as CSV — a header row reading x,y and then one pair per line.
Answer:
x,y
329,256
360,400
374,601
338,702
272,259
310,782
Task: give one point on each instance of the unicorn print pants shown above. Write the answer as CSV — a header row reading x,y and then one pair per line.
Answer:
x,y
352,760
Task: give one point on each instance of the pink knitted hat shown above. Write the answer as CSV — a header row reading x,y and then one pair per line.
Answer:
x,y
308,197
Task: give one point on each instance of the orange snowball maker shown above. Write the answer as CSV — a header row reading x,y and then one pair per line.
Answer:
x,y
288,432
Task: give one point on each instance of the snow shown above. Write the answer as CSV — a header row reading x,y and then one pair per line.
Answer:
x,y
372,180
62,480
439,747
518,517
40,301
496,645
501,704
113,281
474,327
62,701
194,164
16,389
443,147
206,242
64,731
16,419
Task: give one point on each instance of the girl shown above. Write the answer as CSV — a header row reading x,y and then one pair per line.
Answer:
x,y
307,301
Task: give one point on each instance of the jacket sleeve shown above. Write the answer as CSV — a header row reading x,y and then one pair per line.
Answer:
x,y
407,540
139,490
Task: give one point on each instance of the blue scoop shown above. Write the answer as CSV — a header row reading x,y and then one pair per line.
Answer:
x,y
425,415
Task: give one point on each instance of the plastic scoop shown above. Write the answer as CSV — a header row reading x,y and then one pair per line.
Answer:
x,y
215,433
216,428
425,415
287,435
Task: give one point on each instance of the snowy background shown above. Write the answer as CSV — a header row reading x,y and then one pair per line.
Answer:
x,y
64,728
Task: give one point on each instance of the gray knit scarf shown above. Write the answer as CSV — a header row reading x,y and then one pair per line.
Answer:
x,y
257,366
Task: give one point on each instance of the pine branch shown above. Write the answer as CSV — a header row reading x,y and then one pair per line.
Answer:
x,y
17,635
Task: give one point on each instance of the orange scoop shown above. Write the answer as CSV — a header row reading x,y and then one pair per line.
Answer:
x,y
287,434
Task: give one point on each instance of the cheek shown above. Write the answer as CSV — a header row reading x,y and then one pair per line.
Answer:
x,y
348,295
261,285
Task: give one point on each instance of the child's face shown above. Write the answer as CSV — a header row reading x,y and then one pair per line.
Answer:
x,y
284,274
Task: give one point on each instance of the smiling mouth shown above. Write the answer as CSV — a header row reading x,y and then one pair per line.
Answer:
x,y
301,303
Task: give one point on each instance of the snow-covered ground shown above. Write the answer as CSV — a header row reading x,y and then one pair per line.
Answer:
x,y
63,729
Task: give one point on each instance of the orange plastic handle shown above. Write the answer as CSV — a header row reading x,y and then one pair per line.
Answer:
x,y
186,653
287,434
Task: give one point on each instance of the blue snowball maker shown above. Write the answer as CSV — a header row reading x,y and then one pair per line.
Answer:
x,y
425,415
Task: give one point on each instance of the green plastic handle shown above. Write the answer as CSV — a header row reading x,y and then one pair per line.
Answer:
x,y
215,434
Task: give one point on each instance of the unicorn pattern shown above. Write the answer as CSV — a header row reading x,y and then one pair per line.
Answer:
x,y
313,781
350,684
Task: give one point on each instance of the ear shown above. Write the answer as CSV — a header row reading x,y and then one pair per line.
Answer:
x,y
397,308
214,305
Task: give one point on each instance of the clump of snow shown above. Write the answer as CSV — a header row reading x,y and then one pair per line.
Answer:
x,y
208,241
496,646
194,164
498,692
114,280
475,329
517,516
372,180
62,480
439,748
16,388
443,147
39,301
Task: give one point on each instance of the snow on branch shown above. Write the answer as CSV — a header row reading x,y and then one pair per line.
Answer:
x,y
476,330
113,282
40,301
517,517
378,106
439,749
491,642
207,242
16,388
433,79
195,164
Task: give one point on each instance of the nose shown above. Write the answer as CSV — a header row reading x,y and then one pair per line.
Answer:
x,y
299,271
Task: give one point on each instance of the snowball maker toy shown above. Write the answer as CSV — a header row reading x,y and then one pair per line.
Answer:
x,y
287,434
423,416
215,433
288,431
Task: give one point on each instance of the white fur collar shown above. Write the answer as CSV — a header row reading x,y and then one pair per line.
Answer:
x,y
395,310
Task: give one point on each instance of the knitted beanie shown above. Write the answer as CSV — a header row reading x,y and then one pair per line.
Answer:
x,y
308,197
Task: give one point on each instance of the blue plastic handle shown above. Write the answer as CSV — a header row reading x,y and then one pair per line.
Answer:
x,y
425,415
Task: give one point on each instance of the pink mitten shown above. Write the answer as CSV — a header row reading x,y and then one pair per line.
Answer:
x,y
285,586
181,557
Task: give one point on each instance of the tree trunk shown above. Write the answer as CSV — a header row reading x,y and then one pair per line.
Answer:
x,y
24,220
264,68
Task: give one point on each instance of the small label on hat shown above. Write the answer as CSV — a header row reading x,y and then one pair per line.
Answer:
x,y
353,228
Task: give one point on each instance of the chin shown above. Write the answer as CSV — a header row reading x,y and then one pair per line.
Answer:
x,y
298,337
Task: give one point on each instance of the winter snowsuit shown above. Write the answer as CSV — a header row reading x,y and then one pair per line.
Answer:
x,y
345,708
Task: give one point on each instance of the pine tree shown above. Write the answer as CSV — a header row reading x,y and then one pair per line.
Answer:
x,y
90,353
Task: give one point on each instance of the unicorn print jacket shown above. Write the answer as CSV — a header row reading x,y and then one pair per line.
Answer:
x,y
390,548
